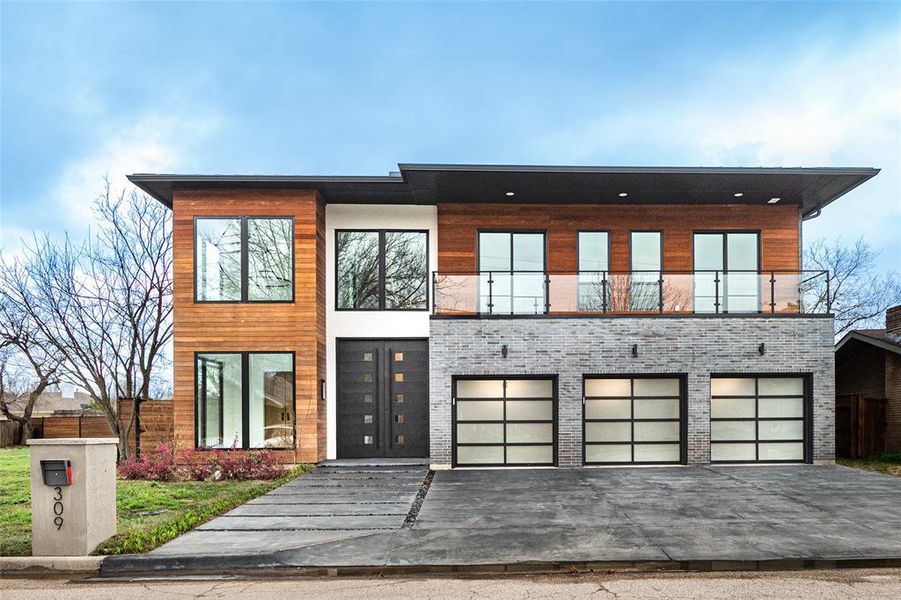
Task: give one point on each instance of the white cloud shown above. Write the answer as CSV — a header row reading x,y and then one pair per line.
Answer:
x,y
155,143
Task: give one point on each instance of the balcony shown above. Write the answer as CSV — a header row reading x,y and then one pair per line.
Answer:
x,y
494,293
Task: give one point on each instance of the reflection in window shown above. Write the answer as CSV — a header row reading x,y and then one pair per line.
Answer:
x,y
365,258
269,250
218,411
593,266
511,273
726,272
222,378
646,267
406,270
218,268
222,246
271,381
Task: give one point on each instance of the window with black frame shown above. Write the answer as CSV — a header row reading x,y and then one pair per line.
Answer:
x,y
244,400
593,267
646,259
381,270
511,273
726,277
244,259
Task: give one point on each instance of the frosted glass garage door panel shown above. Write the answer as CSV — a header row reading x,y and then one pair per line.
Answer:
x,y
781,407
608,409
601,453
734,452
530,388
667,431
724,431
480,433
657,409
530,410
608,387
731,386
608,432
480,388
518,433
657,453
540,455
732,408
790,451
472,455
657,387
780,386
781,430
480,410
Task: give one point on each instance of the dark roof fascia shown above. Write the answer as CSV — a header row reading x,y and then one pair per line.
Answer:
x,y
871,171
866,339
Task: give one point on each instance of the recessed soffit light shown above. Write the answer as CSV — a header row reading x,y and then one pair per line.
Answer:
x,y
738,194
623,194
509,193
773,200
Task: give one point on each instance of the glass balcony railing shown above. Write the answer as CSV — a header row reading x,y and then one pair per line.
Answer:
x,y
632,292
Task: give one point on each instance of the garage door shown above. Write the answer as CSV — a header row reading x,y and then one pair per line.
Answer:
x,y
757,419
504,422
633,420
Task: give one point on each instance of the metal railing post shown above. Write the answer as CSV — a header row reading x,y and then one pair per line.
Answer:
x,y
604,292
772,291
490,292
660,291
547,293
434,291
828,293
716,294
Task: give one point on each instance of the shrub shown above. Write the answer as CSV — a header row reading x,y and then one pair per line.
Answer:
x,y
201,465
158,465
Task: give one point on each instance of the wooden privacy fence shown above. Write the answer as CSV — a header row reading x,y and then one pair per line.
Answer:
x,y
859,426
7,433
155,423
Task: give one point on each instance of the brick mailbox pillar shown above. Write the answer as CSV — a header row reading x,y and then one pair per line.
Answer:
x,y
73,495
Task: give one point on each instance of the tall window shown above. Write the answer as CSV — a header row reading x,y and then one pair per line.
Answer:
x,y
593,267
511,273
646,257
244,259
726,272
244,400
382,270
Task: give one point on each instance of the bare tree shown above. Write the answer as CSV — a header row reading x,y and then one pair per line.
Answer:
x,y
104,307
858,293
26,372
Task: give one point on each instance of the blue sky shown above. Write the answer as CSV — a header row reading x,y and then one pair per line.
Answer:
x,y
90,89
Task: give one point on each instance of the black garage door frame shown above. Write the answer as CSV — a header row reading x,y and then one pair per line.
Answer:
x,y
683,417
807,379
495,377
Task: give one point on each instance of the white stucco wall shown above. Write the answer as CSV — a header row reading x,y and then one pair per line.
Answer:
x,y
374,324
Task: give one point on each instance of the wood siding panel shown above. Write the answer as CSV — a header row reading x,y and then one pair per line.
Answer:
x,y
297,326
458,225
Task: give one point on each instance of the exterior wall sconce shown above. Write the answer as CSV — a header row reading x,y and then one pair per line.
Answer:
x,y
504,350
634,350
762,349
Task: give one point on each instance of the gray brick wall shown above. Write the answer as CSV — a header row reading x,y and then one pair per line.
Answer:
x,y
569,348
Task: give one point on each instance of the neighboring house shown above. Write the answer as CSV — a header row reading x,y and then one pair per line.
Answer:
x,y
868,364
50,403
504,315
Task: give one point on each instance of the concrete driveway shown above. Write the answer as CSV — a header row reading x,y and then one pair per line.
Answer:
x,y
682,517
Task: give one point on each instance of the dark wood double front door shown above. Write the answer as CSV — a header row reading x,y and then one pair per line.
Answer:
x,y
383,398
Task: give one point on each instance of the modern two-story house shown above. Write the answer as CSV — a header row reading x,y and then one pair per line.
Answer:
x,y
481,315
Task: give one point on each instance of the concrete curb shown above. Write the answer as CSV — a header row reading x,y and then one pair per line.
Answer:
x,y
49,565
268,566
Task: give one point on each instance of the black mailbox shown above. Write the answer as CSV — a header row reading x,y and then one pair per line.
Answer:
x,y
57,472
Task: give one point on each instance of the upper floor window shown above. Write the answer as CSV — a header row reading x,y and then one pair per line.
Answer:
x,y
647,261
381,270
511,272
244,259
726,271
593,255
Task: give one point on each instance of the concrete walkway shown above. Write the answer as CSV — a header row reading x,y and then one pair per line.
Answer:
x,y
705,517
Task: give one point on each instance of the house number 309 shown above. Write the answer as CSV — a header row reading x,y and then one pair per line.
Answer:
x,y
58,508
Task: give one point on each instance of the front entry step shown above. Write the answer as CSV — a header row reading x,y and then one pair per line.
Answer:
x,y
374,462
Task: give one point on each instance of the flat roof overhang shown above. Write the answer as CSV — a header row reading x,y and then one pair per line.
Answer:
x,y
809,188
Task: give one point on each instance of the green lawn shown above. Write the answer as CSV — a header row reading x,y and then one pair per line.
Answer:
x,y
150,513
888,463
